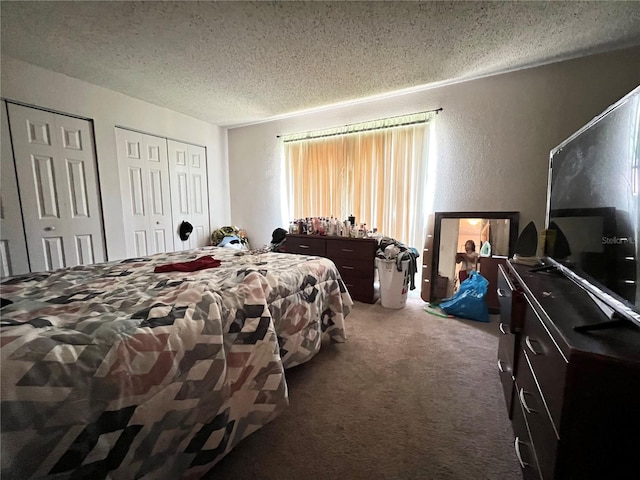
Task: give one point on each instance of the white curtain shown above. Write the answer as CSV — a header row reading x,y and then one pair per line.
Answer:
x,y
376,171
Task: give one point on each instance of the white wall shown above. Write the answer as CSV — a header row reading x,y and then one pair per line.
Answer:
x,y
493,137
26,83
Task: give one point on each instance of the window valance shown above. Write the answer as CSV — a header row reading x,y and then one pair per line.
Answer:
x,y
391,122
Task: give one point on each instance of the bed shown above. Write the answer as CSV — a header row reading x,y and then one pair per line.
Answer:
x,y
114,371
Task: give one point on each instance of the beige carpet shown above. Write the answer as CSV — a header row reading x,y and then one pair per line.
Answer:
x,y
409,396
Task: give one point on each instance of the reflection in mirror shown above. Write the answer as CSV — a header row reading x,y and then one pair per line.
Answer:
x,y
494,235
490,237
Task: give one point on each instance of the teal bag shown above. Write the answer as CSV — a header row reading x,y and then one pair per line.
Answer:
x,y
469,301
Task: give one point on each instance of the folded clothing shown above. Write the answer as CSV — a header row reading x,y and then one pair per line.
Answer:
x,y
197,264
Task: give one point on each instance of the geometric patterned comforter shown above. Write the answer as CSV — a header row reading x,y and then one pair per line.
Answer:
x,y
114,371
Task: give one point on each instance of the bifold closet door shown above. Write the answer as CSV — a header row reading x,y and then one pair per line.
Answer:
x,y
13,244
189,193
56,170
144,181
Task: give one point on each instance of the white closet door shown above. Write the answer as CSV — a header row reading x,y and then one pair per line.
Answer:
x,y
13,244
189,193
144,179
56,168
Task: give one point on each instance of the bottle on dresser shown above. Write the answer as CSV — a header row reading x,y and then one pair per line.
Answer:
x,y
346,229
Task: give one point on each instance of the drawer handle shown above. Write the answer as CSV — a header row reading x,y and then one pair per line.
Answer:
x,y
348,267
516,445
348,250
303,246
529,343
501,328
501,292
500,367
524,402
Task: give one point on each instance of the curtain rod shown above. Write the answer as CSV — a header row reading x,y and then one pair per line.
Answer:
x,y
436,110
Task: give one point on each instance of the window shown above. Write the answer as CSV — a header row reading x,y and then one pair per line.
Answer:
x,y
376,171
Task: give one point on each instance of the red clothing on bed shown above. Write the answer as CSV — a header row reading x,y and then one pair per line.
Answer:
x,y
197,264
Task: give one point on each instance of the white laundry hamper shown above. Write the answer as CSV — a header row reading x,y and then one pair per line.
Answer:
x,y
394,284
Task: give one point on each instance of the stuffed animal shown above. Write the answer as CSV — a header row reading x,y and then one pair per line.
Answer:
x,y
229,231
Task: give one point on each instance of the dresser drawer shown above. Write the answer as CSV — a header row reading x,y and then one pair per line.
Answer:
x,y
543,435
505,294
351,249
355,267
524,450
511,301
306,245
506,346
360,289
547,363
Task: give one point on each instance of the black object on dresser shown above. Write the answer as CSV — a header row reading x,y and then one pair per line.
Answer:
x,y
354,258
574,398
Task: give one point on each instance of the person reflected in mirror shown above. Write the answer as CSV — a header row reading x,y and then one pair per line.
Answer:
x,y
468,260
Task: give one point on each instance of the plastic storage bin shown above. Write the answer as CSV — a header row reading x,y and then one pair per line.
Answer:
x,y
394,284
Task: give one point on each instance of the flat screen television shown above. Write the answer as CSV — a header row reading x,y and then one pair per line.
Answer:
x,y
593,210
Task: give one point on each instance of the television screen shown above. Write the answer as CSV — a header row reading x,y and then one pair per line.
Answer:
x,y
593,207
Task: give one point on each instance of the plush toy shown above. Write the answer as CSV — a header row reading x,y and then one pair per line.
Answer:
x,y
229,231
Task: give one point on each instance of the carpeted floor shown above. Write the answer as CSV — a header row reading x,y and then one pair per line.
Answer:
x,y
409,396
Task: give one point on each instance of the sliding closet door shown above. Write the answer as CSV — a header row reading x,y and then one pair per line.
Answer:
x,y
189,193
144,180
13,244
56,169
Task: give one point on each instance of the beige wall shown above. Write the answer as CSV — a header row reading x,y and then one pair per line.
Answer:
x,y
23,82
493,137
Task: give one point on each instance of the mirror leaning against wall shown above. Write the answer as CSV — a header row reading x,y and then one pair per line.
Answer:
x,y
494,235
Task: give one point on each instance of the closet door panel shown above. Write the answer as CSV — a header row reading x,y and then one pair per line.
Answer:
x,y
56,171
13,244
201,235
80,185
189,192
159,199
132,170
144,179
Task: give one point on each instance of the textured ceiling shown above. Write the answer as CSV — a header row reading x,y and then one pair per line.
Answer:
x,y
233,63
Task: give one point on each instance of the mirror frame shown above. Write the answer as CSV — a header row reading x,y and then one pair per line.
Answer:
x,y
513,217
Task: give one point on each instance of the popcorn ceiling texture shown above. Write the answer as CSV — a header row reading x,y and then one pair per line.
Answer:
x,y
233,63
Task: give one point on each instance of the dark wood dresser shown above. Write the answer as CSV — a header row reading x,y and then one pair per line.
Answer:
x,y
574,398
354,258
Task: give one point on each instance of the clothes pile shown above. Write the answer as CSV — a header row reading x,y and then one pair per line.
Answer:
x,y
390,249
